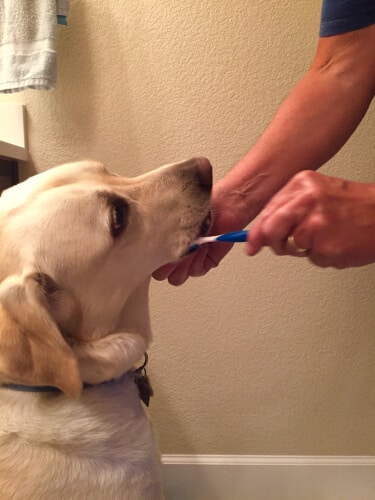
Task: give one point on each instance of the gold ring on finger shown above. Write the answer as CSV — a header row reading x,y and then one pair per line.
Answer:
x,y
295,247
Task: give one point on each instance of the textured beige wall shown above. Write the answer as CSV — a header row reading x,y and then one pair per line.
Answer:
x,y
265,355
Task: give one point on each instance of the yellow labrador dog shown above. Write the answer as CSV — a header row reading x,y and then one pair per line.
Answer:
x,y
78,246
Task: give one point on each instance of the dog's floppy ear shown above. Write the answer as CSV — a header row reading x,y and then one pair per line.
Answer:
x,y
32,348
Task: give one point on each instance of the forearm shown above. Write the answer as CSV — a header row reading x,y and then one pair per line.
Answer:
x,y
311,125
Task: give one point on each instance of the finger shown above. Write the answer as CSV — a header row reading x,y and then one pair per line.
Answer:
x,y
255,240
163,272
292,248
274,230
203,260
209,258
179,269
197,265
180,274
265,230
303,236
322,260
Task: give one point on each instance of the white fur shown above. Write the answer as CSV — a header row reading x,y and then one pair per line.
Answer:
x,y
74,309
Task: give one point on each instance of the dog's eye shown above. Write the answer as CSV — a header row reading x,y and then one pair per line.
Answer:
x,y
119,212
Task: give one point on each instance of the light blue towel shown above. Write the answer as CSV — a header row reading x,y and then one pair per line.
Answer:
x,y
28,58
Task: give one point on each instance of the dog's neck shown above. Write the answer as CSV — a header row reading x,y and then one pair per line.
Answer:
x,y
116,353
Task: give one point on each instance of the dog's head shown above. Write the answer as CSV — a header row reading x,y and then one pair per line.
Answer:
x,y
77,248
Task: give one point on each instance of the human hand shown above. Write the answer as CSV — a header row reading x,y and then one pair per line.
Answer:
x,y
227,215
329,220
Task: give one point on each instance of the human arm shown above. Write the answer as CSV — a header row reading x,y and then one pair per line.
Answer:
x,y
310,126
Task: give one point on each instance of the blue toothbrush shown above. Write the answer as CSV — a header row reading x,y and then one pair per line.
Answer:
x,y
234,237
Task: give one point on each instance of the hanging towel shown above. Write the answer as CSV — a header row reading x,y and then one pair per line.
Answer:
x,y
28,58
62,11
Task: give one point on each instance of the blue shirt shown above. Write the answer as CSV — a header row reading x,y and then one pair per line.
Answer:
x,y
341,16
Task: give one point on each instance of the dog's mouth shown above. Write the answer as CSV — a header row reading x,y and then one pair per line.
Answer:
x,y
205,226
203,230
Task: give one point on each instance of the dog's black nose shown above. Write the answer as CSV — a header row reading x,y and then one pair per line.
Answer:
x,y
204,171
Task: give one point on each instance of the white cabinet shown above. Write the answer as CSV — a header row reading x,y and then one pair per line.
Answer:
x,y
12,142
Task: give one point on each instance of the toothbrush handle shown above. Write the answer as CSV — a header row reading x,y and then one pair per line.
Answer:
x,y
234,237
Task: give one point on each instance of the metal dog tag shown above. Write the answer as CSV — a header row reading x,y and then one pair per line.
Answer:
x,y
144,386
